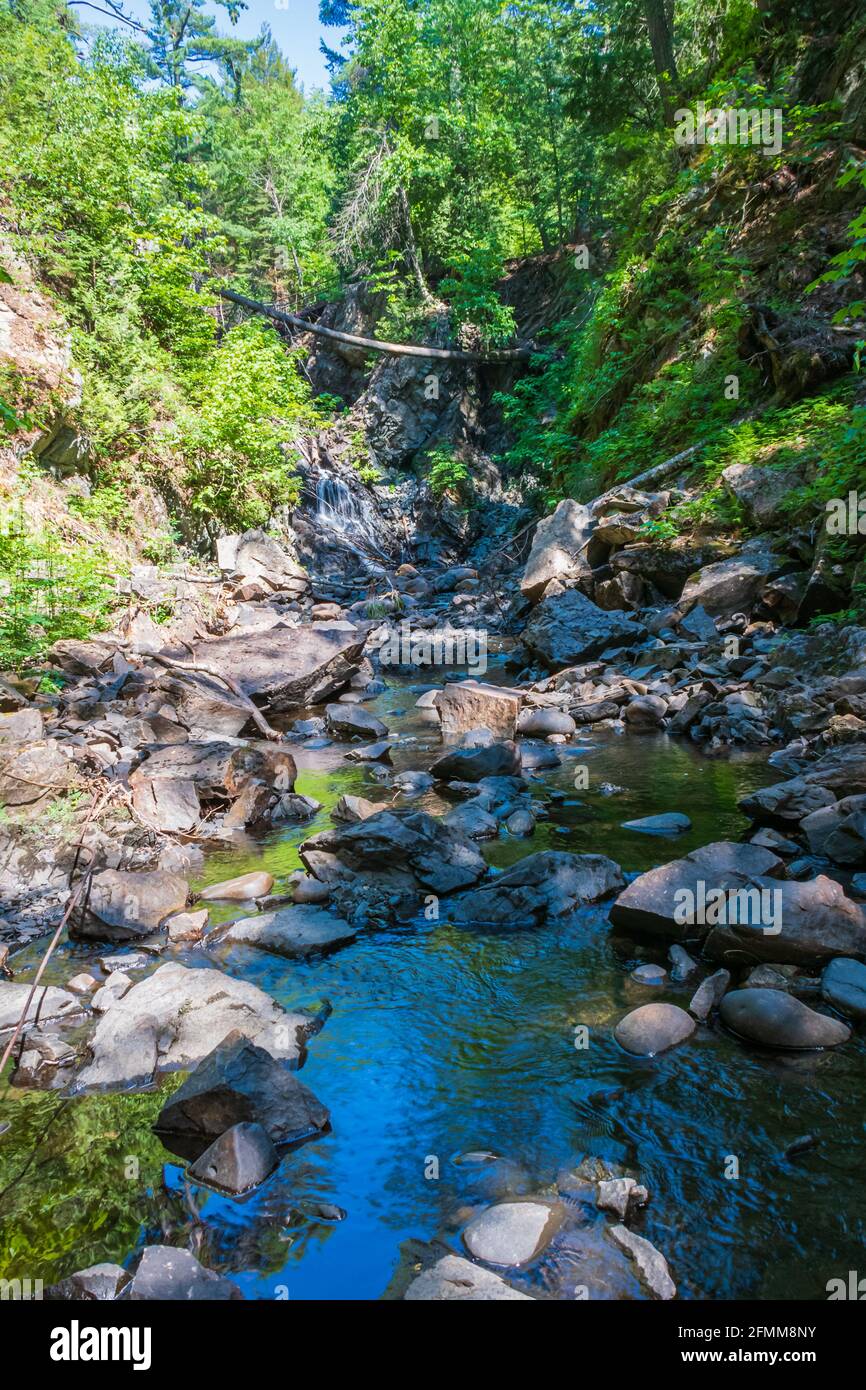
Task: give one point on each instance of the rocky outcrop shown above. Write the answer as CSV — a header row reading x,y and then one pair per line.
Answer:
x,y
286,667
567,628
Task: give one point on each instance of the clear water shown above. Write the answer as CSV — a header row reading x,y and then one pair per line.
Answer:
x,y
443,1041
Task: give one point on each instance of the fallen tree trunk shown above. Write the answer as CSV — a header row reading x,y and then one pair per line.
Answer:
x,y
374,344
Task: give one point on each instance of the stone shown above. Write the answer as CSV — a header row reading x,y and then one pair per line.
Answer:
x,y
187,926
32,771
404,847
651,1263
761,490
775,1019
310,890
548,884
788,801
296,931
167,804
511,1233
114,988
813,921
239,1160
666,823
682,963
843,984
379,752
22,726
472,820
650,903
176,1016
466,705
220,771
732,585
559,548
653,1028
471,764
521,822
709,995
81,984
619,1194
240,1082
568,628
352,721
284,668
48,1004
453,1279
649,975
838,832
125,906
168,1274
540,723
256,884
204,706
645,711
354,808
98,1284
536,755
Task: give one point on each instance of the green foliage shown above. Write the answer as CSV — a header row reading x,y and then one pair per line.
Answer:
x,y
448,475
233,435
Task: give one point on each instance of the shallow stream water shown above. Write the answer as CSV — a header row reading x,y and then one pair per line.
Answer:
x,y
443,1041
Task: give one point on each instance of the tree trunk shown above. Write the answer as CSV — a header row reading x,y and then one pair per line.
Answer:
x,y
662,44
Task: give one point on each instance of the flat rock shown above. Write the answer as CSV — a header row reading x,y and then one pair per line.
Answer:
x,y
48,1004
776,1019
666,823
471,764
653,1028
732,585
354,808
453,1279
814,921
295,931
284,667
619,1194
176,1016
650,903
352,721
511,1233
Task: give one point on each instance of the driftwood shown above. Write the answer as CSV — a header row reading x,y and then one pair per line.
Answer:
x,y
523,351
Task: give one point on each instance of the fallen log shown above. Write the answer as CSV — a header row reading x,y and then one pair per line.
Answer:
x,y
523,351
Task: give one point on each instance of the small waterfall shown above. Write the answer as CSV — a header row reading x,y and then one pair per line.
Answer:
x,y
337,506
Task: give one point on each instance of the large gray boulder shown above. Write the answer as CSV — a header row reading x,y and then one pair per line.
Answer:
x,y
176,1016
549,884
568,628
651,903
732,585
559,548
286,667
466,705
126,906
240,1082
404,848
239,1160
809,923
839,831
511,1233
843,985
776,1019
296,931
761,491
471,764
653,1028
353,721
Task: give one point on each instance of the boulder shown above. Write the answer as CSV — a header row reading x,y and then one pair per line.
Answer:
x,y
204,706
653,1028
786,801
408,849
458,1280
48,1004
125,906
761,490
176,1016
559,548
471,764
167,1274
352,721
812,922
843,984
220,771
709,995
466,705
238,1160
166,803
30,772
511,1233
541,723
776,1019
257,555
651,904
240,1082
838,831
645,711
22,726
732,585
292,931
568,628
284,667
473,820
187,926
549,884
619,1195
354,808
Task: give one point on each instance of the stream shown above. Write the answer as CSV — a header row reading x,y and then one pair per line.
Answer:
x,y
445,1043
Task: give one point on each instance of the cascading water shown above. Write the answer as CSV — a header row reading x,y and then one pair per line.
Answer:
x,y
337,507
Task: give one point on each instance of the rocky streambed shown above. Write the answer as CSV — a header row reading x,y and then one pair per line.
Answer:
x,y
408,1000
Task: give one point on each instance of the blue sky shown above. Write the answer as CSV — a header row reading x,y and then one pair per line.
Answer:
x,y
294,24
